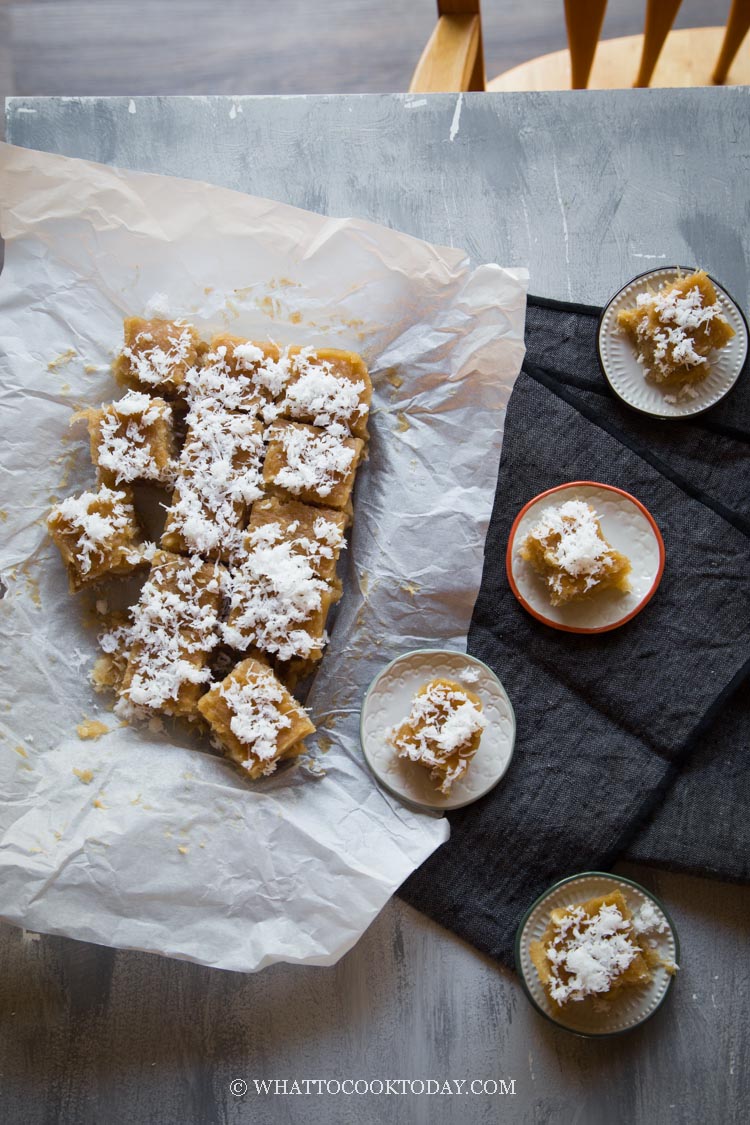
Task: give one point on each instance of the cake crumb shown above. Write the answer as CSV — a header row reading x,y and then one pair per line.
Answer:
x,y
61,360
90,729
403,423
182,849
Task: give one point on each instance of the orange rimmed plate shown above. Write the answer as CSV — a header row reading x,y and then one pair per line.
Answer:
x,y
627,525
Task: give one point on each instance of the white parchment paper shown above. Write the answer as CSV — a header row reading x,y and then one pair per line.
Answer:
x,y
167,848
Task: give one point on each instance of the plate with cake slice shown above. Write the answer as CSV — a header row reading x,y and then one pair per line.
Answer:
x,y
584,557
672,342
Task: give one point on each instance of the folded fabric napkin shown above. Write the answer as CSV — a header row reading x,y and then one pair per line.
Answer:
x,y
633,742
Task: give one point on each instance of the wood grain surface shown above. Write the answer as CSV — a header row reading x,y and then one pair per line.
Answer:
x,y
589,189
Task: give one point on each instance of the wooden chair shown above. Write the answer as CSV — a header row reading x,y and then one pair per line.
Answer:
x,y
454,59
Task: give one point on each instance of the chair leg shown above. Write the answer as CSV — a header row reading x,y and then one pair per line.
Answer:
x,y
660,15
583,20
737,28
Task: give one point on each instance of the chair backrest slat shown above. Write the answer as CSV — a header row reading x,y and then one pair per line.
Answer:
x,y
738,26
583,20
660,15
458,8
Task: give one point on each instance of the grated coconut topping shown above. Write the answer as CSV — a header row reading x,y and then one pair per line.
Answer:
x,y
679,314
275,590
316,460
220,474
128,455
256,719
588,952
581,550
320,395
440,722
97,531
169,623
154,366
255,377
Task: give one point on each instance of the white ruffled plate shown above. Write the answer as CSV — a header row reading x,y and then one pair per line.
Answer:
x,y
594,1017
625,375
388,702
626,524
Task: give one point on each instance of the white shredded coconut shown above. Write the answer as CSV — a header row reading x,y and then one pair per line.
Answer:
x,y
440,722
679,314
276,590
588,952
97,532
219,476
316,460
581,550
316,394
256,719
172,621
649,919
154,366
124,447
246,385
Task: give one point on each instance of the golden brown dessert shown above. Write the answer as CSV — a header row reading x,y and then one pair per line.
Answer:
x,y
568,551
327,386
316,533
218,478
238,374
442,731
255,720
132,439
675,329
593,949
281,590
247,566
98,535
174,628
157,355
114,644
312,464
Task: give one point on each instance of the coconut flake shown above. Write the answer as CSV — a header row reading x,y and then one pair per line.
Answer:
x,y
276,590
588,952
581,550
124,447
440,722
219,476
318,395
256,720
170,622
154,366
97,532
316,460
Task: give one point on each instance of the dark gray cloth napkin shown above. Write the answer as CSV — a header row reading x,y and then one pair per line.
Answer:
x,y
630,743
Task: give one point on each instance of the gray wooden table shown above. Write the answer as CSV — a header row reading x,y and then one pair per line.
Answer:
x,y
587,189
